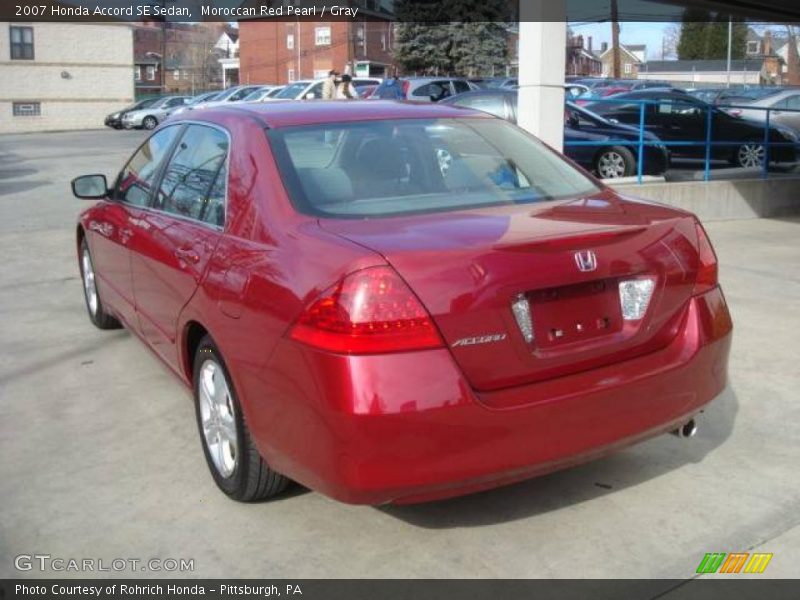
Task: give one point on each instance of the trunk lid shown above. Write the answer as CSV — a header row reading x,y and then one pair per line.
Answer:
x,y
469,267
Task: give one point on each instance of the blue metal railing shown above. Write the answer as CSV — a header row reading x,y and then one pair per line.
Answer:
x,y
709,143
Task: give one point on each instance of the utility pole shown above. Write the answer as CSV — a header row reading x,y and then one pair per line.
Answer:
x,y
615,66
730,48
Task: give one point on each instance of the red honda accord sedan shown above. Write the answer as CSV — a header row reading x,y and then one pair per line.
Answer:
x,y
391,302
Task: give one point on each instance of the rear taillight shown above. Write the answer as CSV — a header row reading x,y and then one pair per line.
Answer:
x,y
368,312
707,266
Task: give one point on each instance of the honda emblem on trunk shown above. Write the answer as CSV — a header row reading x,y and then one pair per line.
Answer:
x,y
586,261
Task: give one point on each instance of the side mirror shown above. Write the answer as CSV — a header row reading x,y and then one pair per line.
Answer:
x,y
573,122
90,187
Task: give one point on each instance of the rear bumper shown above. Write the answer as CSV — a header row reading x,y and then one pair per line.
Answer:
x,y
408,428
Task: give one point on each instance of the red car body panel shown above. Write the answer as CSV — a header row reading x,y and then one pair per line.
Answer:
x,y
413,426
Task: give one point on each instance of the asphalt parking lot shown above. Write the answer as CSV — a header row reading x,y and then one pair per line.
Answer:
x,y
100,456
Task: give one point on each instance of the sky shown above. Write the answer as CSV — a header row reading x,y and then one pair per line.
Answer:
x,y
631,32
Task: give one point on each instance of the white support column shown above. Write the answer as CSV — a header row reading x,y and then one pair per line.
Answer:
x,y
542,56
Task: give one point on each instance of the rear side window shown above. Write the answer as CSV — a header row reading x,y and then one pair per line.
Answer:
x,y
461,86
134,185
194,181
386,168
436,90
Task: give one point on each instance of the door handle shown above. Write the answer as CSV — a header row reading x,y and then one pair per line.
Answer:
x,y
188,255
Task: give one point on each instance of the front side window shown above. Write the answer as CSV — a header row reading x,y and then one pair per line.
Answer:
x,y
21,42
322,36
194,181
386,168
135,183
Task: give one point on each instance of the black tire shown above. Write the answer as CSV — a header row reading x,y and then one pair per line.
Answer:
x,y
97,313
744,156
614,162
149,122
251,478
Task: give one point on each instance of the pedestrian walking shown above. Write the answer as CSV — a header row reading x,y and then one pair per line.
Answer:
x,y
329,86
345,90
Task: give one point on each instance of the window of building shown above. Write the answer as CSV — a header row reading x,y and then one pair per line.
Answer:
x,y
137,73
290,75
322,36
185,74
289,41
321,73
27,109
176,74
628,68
21,43
151,72
753,47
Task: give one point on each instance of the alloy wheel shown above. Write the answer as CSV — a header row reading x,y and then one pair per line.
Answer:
x,y
751,155
149,123
89,285
218,418
611,165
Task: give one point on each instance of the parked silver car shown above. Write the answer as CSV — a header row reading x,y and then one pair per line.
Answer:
x,y
150,117
423,89
263,93
311,89
784,105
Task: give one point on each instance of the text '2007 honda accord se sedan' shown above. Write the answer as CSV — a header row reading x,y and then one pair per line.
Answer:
x,y
390,302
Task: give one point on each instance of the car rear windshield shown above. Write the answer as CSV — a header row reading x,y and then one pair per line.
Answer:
x,y
386,168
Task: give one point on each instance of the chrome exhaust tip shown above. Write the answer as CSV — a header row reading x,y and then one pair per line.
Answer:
x,y
687,430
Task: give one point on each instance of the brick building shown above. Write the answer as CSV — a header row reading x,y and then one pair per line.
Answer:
x,y
284,51
190,57
581,59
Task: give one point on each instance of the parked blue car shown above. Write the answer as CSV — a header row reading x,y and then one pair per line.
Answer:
x,y
607,159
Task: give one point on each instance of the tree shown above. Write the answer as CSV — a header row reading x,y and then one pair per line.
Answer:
x,y
704,35
792,58
465,37
421,42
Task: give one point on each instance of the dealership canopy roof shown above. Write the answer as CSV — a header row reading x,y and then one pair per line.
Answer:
x,y
773,10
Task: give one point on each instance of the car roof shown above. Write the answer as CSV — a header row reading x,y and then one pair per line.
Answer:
x,y
312,112
474,93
